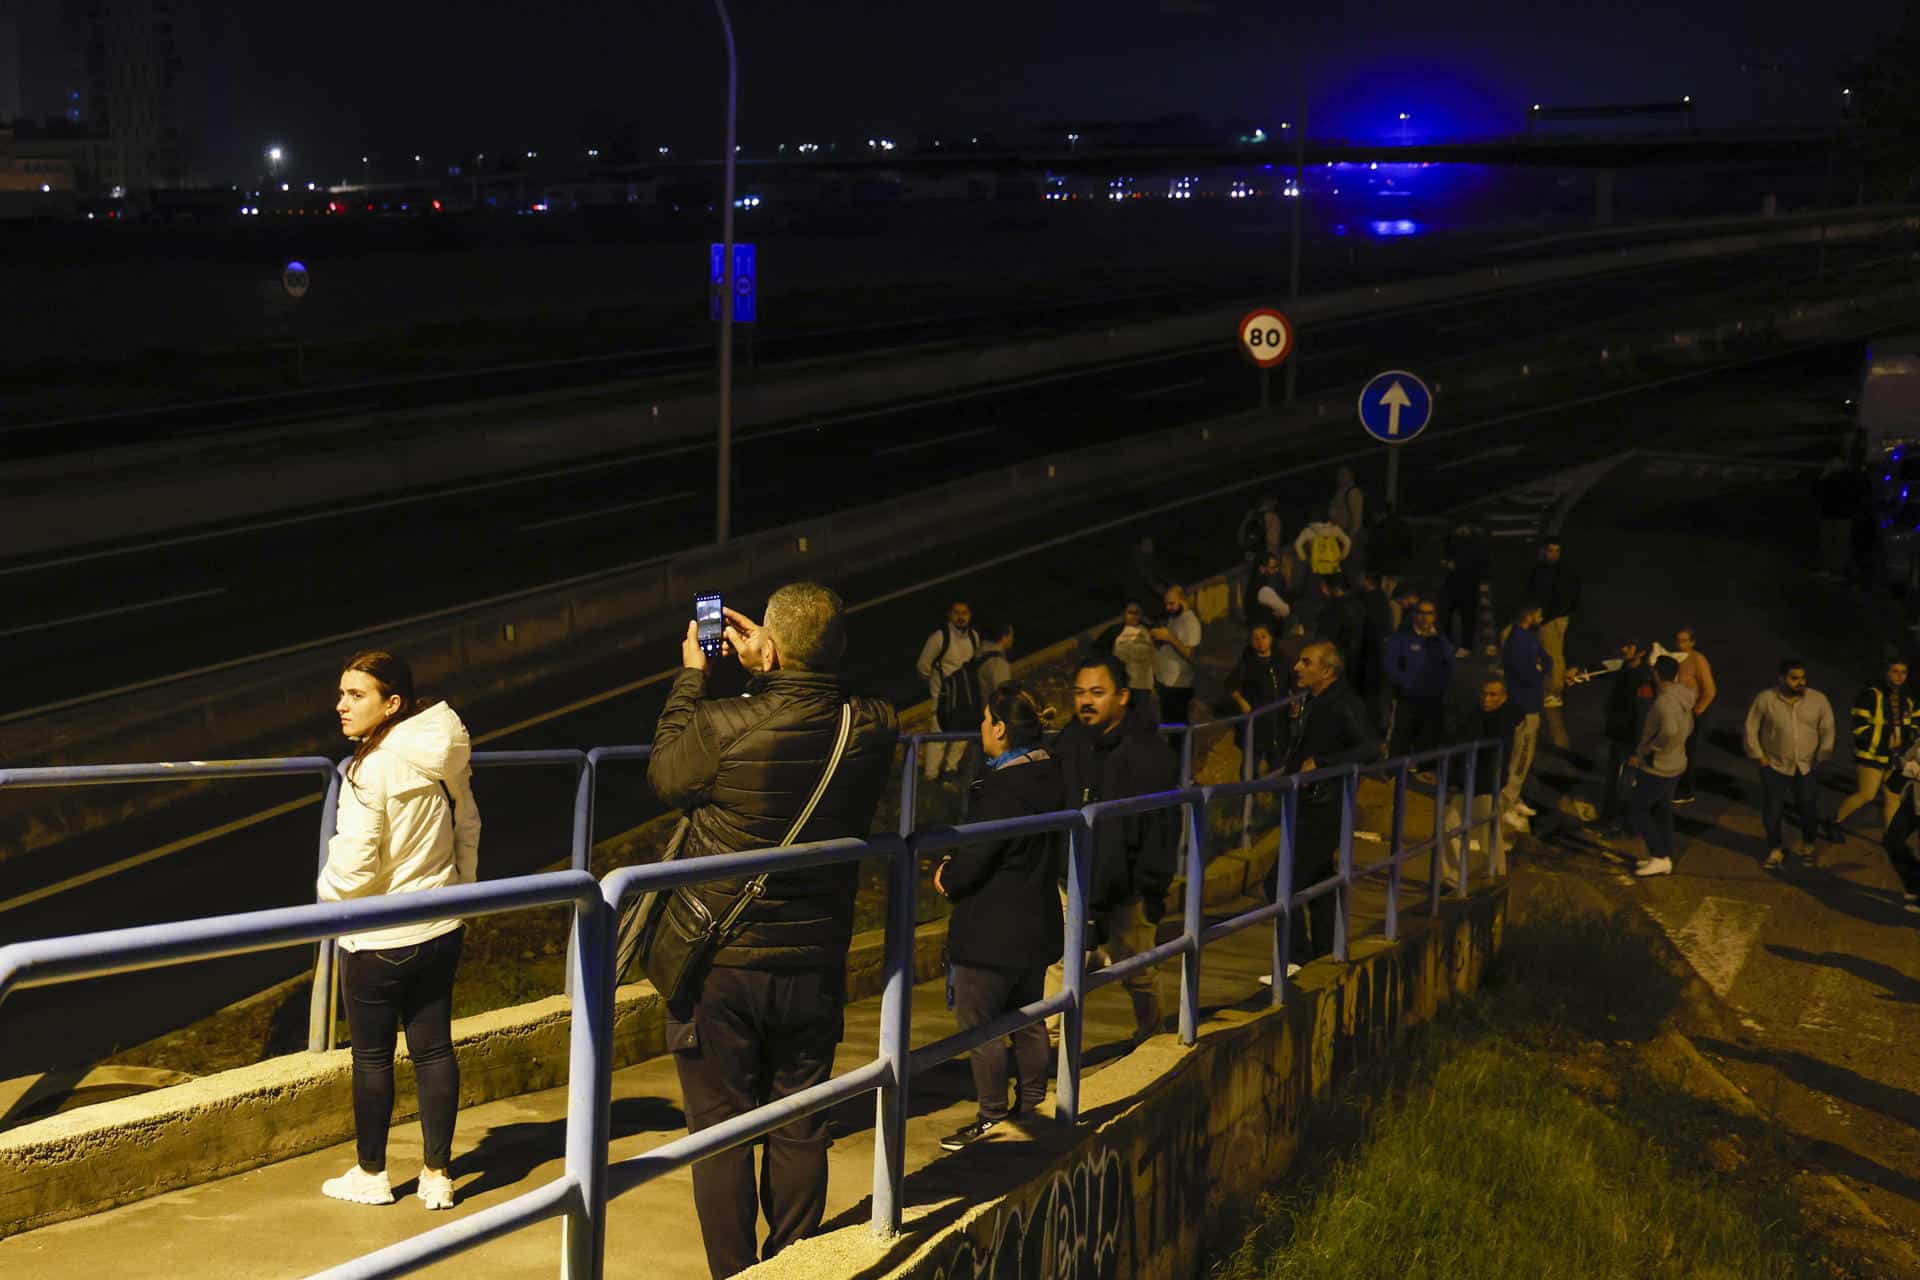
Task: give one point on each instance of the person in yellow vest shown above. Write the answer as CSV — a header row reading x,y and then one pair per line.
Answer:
x,y
1322,546
1885,724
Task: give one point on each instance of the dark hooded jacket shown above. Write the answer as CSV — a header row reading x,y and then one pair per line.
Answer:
x,y
1132,855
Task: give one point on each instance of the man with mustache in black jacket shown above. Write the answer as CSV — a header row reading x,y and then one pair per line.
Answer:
x,y
1109,753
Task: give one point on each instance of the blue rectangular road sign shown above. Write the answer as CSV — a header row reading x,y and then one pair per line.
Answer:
x,y
744,295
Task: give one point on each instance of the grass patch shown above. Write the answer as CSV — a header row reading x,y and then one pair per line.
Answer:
x,y
1521,1134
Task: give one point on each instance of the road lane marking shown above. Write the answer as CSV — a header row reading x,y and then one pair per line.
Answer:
x,y
165,850
1718,937
1858,1018
98,614
596,513
1169,389
911,445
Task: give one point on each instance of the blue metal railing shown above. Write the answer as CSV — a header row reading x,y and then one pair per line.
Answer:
x,y
578,1195
588,1181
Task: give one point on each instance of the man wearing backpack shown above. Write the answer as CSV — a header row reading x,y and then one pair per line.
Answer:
x,y
946,663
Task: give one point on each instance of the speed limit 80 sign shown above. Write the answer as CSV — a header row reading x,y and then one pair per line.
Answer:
x,y
1266,337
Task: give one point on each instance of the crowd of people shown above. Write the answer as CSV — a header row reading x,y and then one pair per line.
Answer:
x,y
757,1017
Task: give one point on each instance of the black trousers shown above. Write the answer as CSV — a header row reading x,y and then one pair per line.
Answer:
x,y
1460,611
1419,724
1774,790
752,1036
979,996
1615,804
1175,701
385,990
1905,823
1316,855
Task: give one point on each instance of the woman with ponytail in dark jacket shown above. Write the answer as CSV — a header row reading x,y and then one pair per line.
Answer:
x,y
407,822
1006,926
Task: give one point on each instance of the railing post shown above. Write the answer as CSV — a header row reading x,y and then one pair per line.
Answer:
x,y
1246,775
320,1003
1398,842
909,785
1440,833
1283,892
1343,892
1496,833
1186,756
896,1037
1196,815
582,853
1493,809
583,1235
1066,1089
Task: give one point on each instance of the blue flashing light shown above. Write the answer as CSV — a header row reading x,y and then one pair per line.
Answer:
x,y
296,266
1394,227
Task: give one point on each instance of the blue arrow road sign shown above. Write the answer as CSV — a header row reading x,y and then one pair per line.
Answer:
x,y
1395,407
744,296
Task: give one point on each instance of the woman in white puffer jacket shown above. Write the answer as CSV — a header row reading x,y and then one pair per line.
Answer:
x,y
407,822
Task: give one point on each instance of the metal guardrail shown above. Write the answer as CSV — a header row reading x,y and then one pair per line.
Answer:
x,y
579,1196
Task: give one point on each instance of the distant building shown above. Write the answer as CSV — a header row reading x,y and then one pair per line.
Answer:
x,y
136,93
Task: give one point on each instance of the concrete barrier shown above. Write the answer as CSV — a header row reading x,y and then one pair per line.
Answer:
x,y
1179,1136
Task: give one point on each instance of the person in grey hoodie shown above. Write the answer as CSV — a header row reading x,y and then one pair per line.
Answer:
x,y
1654,768
1789,735
407,822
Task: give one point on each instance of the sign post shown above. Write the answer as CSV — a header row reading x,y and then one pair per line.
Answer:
x,y
1266,338
295,279
1395,407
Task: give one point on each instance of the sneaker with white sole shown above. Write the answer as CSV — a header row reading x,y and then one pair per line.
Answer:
x,y
1266,979
357,1186
1553,700
1655,867
967,1135
1774,858
435,1189
1525,810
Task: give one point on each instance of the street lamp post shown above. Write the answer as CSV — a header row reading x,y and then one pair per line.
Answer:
x,y
1299,198
723,482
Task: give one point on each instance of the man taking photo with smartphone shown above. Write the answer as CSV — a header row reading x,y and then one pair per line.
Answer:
x,y
762,1021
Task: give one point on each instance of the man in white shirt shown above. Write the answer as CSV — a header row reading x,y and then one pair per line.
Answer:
x,y
1789,735
1173,659
944,664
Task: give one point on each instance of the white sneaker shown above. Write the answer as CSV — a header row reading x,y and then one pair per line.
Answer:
x,y
1266,979
1655,867
1554,700
1525,810
435,1189
1774,858
357,1186
1514,821
1463,653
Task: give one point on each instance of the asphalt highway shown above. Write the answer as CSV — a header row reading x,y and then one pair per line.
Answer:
x,y
1051,573
93,620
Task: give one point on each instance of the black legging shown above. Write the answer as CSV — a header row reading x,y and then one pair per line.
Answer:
x,y
410,986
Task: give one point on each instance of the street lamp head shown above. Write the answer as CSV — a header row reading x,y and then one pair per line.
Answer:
x,y
274,154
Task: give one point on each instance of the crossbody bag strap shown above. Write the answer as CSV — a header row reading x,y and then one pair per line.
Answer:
x,y
758,885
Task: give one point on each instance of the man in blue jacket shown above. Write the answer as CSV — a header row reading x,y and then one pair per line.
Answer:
x,y
1526,665
1420,664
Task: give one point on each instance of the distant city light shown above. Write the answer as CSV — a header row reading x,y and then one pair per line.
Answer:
x,y
1396,227
1073,139
1686,98
1536,106
531,155
1405,116
363,160
664,150
416,158
593,153
285,187
46,188
312,187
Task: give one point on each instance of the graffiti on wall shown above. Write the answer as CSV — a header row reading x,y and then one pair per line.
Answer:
x,y
1073,1229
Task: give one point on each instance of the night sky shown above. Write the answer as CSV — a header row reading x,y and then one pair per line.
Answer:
x,y
443,78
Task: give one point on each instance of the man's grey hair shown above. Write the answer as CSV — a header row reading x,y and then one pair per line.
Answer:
x,y
809,626
1329,657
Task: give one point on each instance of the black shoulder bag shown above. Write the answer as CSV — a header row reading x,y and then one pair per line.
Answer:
x,y
674,936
